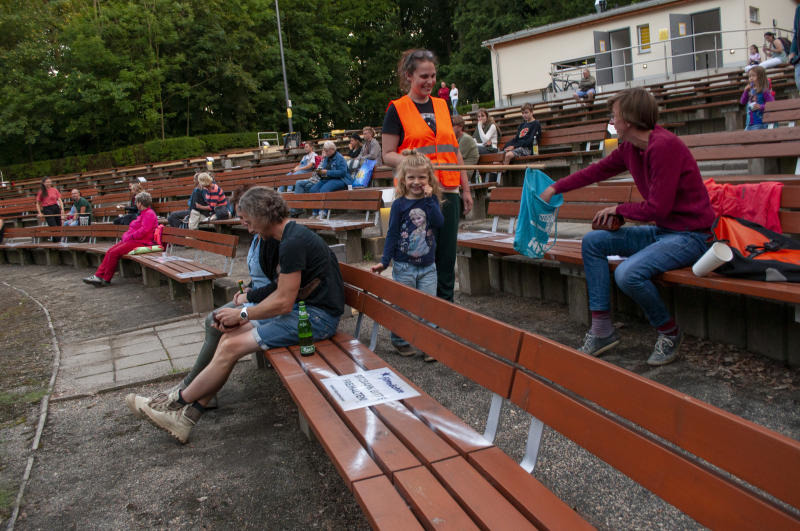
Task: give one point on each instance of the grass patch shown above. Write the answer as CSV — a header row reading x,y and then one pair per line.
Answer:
x,y
7,498
31,397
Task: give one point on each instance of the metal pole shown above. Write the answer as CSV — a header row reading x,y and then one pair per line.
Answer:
x,y
283,68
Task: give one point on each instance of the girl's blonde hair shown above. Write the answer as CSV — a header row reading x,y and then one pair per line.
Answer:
x,y
414,159
761,78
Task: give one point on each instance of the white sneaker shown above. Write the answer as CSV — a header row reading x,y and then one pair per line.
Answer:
x,y
136,402
172,417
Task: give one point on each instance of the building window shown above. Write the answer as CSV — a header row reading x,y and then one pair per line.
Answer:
x,y
755,17
644,38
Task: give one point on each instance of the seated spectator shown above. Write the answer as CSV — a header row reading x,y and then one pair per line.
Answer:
x,y
331,175
353,154
48,204
131,211
754,58
216,202
675,216
586,86
181,217
755,96
773,47
140,234
466,144
308,269
306,164
81,208
529,131
371,149
486,133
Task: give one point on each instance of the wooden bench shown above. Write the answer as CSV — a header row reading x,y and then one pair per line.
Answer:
x,y
346,231
564,261
782,111
180,273
413,463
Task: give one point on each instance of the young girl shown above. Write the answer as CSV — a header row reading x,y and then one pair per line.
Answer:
x,y
755,96
755,57
410,239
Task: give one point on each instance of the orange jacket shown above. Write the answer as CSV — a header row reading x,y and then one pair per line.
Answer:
x,y
441,148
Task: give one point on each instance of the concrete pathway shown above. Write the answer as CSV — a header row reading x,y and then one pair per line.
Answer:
x,y
131,357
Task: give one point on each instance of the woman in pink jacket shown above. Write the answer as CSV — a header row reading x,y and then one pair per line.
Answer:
x,y
140,233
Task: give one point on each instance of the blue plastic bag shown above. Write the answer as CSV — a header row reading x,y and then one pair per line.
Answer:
x,y
536,226
364,174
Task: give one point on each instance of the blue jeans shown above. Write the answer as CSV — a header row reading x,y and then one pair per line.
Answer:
x,y
650,251
422,278
281,330
328,185
753,127
797,75
303,187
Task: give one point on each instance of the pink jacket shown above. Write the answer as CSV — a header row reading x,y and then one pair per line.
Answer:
x,y
757,202
142,229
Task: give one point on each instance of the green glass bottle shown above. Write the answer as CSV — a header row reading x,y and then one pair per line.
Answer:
x,y
304,333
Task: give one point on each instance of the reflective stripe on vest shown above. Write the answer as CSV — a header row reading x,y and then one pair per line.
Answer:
x,y
441,148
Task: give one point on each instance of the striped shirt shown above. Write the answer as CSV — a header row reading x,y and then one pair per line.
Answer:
x,y
214,196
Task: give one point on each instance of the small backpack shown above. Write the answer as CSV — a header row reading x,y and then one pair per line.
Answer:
x,y
758,253
157,234
787,44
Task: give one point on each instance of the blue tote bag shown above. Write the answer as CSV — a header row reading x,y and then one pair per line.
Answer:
x,y
536,226
364,174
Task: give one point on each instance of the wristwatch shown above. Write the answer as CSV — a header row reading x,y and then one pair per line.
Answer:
x,y
243,314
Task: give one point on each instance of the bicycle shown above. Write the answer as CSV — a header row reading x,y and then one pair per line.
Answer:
x,y
561,83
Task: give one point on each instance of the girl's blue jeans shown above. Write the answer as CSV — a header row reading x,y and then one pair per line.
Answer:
x,y
650,250
422,278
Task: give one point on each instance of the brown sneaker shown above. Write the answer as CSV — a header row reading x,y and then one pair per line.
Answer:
x,y
172,417
405,350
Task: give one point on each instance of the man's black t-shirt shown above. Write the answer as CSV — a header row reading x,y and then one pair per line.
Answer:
x,y
302,250
393,126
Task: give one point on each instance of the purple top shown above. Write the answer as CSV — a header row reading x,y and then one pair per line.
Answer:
x,y
666,175
142,229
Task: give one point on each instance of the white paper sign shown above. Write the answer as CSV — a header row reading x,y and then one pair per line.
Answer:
x,y
466,236
192,274
362,389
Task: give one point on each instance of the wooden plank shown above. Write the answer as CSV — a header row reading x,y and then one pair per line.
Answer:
x,y
690,486
527,494
731,152
773,461
348,456
383,506
728,138
431,503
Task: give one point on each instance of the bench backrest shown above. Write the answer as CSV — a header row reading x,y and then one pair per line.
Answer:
x,y
212,242
366,199
580,204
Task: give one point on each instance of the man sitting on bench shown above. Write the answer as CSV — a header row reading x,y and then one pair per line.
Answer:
x,y
528,132
308,270
675,200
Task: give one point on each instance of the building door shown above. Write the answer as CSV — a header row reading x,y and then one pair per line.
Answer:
x,y
680,31
707,39
602,58
621,56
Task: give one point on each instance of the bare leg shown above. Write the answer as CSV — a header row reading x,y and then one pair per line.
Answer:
x,y
232,347
508,157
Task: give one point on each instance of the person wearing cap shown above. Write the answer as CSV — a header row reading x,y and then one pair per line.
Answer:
x,y
353,161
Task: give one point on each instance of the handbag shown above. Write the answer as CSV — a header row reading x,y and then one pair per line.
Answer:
x,y
536,230
364,174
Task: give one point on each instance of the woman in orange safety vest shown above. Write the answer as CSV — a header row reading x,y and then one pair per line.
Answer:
x,y
422,122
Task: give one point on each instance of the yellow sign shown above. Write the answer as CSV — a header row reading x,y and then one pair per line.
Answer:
x,y
289,112
663,34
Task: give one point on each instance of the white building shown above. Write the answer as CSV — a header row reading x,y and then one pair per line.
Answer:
x,y
630,45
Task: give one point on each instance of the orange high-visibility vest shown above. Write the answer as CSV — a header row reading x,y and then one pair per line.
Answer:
x,y
441,148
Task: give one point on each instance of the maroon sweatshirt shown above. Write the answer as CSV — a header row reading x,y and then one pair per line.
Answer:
x,y
666,175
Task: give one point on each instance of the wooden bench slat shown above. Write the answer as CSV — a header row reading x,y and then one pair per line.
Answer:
x,y
691,487
431,502
488,507
383,506
350,459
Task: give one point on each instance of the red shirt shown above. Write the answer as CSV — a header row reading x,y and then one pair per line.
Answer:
x,y
444,93
51,198
666,175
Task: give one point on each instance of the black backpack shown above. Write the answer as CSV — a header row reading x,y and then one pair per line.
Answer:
x,y
787,44
758,253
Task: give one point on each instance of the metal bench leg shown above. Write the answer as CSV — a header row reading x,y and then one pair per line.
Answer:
x,y
493,419
532,446
373,340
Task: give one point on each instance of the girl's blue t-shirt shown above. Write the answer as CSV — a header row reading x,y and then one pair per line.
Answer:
x,y
411,236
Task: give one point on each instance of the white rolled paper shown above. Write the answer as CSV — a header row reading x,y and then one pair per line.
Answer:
x,y
718,254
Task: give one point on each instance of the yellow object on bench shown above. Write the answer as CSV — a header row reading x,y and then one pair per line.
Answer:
x,y
147,249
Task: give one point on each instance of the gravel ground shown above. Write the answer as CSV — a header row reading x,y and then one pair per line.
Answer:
x,y
248,465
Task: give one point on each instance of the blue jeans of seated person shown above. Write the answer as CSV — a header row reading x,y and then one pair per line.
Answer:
x,y
650,250
753,127
422,278
281,330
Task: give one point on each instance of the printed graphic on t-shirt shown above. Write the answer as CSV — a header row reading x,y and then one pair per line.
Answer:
x,y
416,240
430,119
524,132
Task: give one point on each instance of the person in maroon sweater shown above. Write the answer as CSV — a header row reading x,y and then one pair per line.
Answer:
x,y
677,212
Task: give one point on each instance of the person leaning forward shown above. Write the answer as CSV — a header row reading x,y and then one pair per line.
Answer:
x,y
308,270
675,201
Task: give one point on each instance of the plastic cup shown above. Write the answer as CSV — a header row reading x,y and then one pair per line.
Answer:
x,y
718,254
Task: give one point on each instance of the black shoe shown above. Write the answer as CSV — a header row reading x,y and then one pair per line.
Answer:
x,y
94,280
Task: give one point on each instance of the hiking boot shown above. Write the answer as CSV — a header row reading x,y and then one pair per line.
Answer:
x,y
94,280
666,349
595,346
405,350
172,417
135,402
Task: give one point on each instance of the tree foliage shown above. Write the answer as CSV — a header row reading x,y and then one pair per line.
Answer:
x,y
85,76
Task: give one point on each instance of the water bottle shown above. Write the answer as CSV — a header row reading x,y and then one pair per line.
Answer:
x,y
535,146
304,333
